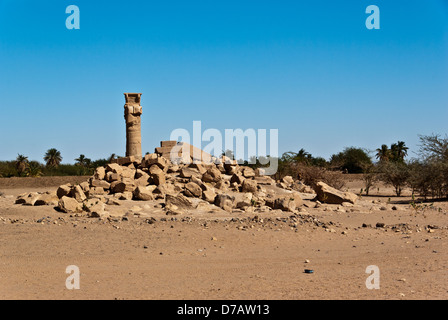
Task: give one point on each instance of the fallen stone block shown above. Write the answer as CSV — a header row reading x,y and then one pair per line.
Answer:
x,y
193,190
178,204
114,167
69,205
212,175
248,172
47,199
327,194
237,178
100,173
64,190
157,175
225,202
189,172
99,183
78,193
143,193
249,186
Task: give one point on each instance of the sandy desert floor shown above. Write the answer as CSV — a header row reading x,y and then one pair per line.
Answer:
x,y
140,253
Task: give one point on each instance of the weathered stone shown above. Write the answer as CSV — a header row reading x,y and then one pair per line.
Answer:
x,y
100,173
285,204
199,166
168,143
265,180
28,199
78,193
114,167
178,204
193,190
301,187
88,204
209,195
128,173
112,176
69,205
96,191
113,202
248,172
85,186
225,202
47,199
64,190
127,195
127,161
245,201
237,178
143,193
189,172
157,175
249,186
141,178
132,115
140,173
161,162
231,168
173,168
122,186
197,181
327,194
212,175
288,180
221,168
97,210
99,184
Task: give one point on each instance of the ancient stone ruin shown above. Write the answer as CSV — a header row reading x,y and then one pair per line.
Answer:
x,y
181,178
132,115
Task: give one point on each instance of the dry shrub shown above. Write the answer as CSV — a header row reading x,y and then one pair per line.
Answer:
x,y
311,175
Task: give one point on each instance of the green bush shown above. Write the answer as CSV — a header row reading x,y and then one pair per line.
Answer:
x,y
351,160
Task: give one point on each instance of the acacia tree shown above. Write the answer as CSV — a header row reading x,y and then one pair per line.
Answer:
x,y
52,158
434,147
395,174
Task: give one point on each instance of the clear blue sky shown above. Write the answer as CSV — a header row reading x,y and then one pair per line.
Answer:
x,y
308,68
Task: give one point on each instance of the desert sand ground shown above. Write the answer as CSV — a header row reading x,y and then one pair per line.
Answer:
x,y
214,257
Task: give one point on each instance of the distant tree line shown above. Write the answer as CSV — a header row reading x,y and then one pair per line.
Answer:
x,y
52,166
426,175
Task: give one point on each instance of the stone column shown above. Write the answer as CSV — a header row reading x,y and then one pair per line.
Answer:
x,y
132,113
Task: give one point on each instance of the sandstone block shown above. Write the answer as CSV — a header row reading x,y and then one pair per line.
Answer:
x,y
143,193
64,190
225,202
327,194
249,186
212,175
193,190
69,205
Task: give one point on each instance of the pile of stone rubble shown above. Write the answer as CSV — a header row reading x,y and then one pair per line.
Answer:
x,y
222,183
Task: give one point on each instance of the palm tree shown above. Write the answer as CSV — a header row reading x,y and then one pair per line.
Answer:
x,y
399,151
301,156
82,161
34,169
402,150
383,153
53,157
21,164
